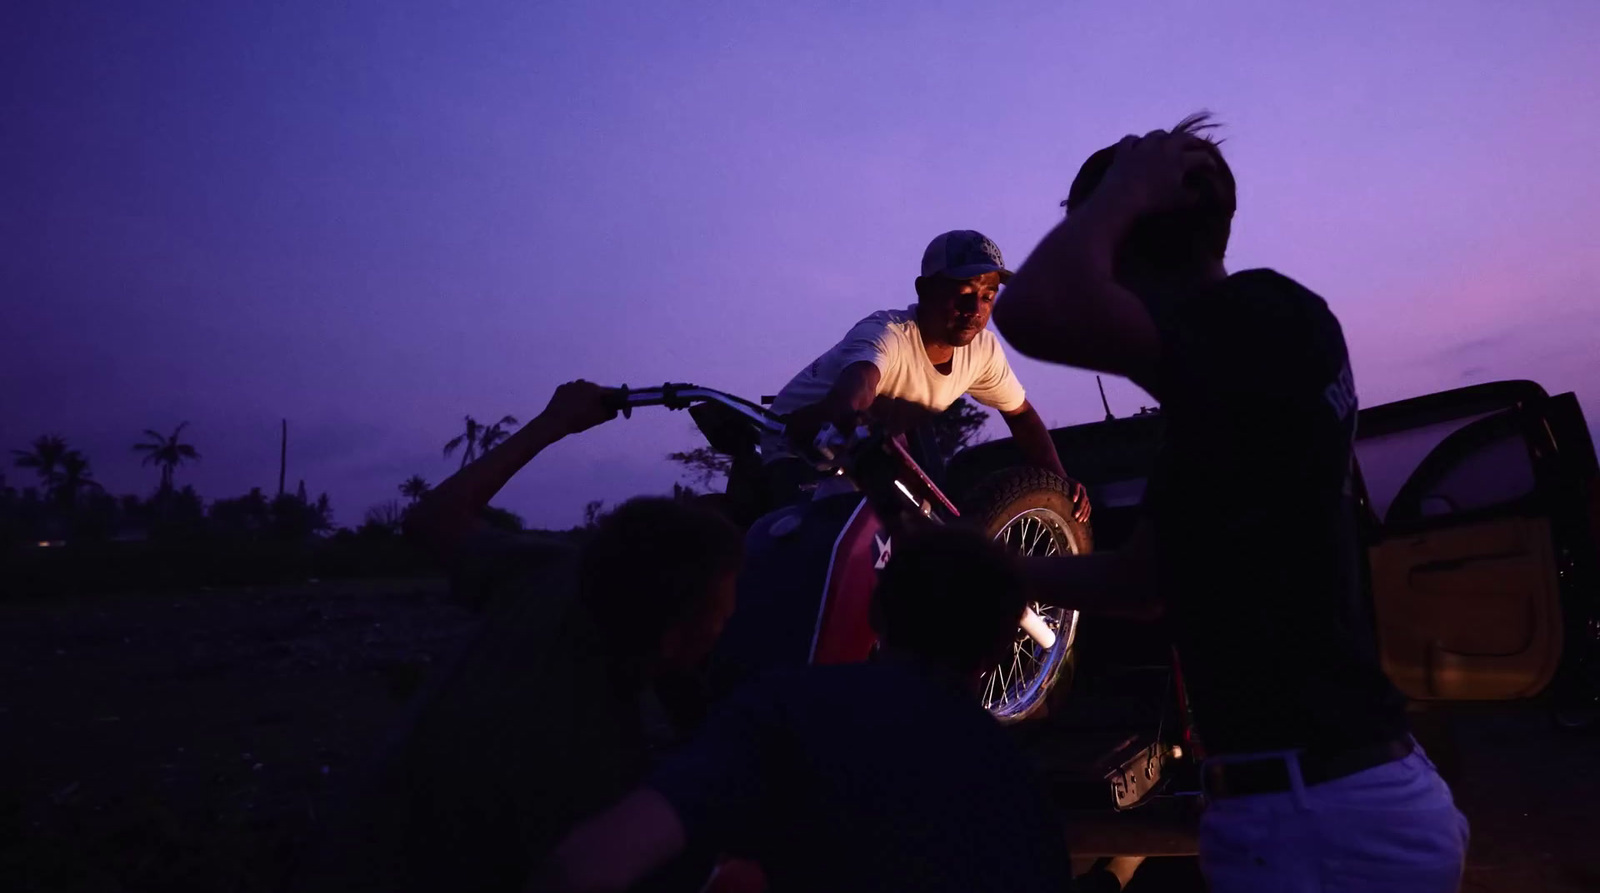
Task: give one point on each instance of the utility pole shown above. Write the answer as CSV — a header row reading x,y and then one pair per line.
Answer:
x,y
1103,401
283,456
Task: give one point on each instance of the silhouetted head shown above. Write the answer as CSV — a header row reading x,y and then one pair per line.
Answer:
x,y
1173,245
950,597
961,273
660,575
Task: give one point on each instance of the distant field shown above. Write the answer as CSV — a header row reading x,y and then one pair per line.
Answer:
x,y
183,743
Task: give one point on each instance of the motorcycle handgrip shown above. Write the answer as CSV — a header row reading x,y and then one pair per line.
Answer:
x,y
616,399
828,440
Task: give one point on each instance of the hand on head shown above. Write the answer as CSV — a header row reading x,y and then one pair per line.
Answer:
x,y
580,405
1150,174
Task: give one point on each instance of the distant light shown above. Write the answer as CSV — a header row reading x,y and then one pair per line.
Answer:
x,y
44,544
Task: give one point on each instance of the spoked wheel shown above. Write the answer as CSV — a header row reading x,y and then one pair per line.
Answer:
x,y
1030,511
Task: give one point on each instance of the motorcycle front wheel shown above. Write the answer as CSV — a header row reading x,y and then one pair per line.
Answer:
x,y
1030,511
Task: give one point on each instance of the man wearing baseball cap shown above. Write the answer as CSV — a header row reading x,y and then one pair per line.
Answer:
x,y
927,356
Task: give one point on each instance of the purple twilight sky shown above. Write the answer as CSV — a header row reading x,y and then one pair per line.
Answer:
x,y
373,217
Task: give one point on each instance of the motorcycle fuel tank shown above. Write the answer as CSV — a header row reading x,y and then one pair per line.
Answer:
x,y
805,590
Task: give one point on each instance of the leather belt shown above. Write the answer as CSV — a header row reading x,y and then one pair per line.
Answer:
x,y
1269,773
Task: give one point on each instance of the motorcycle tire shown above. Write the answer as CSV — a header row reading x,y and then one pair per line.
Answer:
x,y
1031,511
1009,492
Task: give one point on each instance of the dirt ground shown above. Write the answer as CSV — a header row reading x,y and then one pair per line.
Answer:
x,y
184,742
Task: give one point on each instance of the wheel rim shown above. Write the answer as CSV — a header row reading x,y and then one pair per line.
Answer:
x,y
1012,690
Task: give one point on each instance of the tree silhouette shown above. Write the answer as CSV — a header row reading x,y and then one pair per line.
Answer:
x,y
44,458
385,517
250,514
179,513
704,464
73,476
501,519
957,427
167,451
414,488
469,439
290,517
495,433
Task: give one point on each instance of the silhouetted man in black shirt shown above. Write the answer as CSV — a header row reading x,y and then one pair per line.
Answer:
x,y
1314,781
880,776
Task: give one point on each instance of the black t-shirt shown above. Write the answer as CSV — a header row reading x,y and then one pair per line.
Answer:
x,y
876,776
1255,526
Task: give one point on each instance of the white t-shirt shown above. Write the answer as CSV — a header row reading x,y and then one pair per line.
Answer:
x,y
891,340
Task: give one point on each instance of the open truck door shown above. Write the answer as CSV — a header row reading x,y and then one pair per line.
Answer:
x,y
1481,501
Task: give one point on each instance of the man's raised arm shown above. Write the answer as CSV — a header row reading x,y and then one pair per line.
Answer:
x,y
444,518
1064,304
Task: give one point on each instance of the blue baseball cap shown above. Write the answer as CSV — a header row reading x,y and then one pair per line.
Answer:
x,y
963,254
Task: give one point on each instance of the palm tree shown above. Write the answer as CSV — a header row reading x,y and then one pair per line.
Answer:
x,y
166,451
414,487
45,458
469,439
495,433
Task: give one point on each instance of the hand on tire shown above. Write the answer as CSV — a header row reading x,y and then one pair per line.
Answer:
x,y
1080,500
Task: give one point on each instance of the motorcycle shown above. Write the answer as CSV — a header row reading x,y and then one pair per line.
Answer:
x,y
811,566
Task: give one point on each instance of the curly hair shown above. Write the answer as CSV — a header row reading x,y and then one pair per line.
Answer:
x,y
651,563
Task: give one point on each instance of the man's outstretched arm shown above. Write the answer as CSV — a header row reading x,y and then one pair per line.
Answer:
x,y
1033,438
1120,584
851,395
1038,450
711,791
616,849
445,517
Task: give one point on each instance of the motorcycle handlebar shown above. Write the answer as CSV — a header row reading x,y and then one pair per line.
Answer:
x,y
827,448
683,396
828,445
